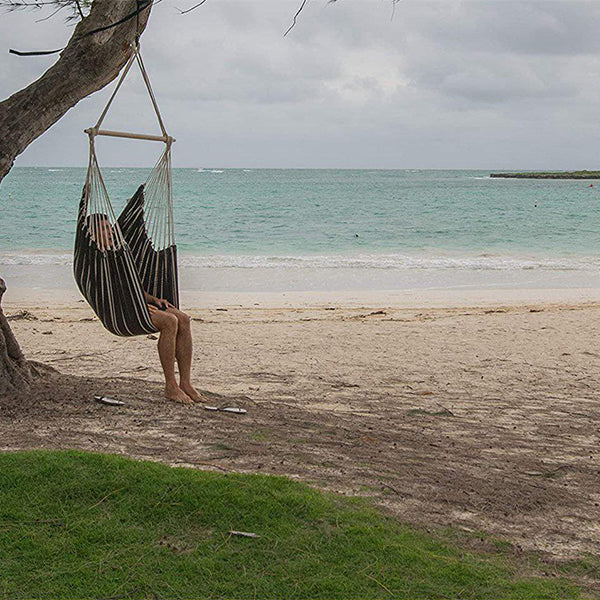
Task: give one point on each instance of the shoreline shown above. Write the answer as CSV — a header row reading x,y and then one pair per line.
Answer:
x,y
53,285
23,298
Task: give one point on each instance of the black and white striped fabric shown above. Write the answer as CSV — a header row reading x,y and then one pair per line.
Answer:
x,y
111,276
147,226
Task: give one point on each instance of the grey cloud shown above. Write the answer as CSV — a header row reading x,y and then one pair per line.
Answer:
x,y
487,83
536,27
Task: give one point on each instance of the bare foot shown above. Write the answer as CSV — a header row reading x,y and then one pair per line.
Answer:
x,y
193,393
177,395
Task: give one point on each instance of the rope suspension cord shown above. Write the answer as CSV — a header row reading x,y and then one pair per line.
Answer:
x,y
96,129
118,259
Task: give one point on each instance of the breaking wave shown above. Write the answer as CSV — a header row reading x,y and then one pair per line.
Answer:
x,y
358,261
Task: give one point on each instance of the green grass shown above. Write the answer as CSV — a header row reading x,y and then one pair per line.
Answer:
x,y
262,435
429,413
79,525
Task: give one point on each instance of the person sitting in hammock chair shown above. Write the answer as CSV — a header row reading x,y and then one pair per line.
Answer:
x,y
175,341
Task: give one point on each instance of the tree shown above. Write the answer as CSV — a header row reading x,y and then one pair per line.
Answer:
x,y
96,52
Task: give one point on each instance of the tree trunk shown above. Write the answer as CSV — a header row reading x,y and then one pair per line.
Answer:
x,y
87,64
14,370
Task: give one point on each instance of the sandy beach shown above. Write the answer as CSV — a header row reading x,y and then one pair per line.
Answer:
x,y
478,410
382,220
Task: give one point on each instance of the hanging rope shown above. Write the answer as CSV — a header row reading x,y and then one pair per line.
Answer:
x,y
96,129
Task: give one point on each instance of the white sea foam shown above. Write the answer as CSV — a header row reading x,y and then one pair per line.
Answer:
x,y
399,262
36,259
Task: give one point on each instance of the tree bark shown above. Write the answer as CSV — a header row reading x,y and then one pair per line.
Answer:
x,y
14,370
86,65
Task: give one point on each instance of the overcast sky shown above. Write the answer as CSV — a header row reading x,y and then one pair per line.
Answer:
x,y
447,84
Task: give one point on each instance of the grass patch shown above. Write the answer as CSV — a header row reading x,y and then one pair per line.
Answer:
x,y
444,412
262,435
223,447
80,525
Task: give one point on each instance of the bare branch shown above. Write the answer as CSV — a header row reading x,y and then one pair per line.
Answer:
x,y
34,53
304,2
75,6
50,15
142,6
19,5
79,10
187,10
296,16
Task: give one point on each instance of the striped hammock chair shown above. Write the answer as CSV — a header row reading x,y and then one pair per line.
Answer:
x,y
116,260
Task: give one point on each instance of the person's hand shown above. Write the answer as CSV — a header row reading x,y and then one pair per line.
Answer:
x,y
152,309
165,303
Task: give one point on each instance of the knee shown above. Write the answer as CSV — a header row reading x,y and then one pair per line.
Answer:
x,y
170,323
183,319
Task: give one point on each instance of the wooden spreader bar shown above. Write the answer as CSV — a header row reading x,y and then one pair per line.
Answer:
x,y
132,136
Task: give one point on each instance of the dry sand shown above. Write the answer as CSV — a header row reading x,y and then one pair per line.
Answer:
x,y
485,417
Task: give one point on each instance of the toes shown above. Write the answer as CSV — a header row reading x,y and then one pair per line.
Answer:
x,y
179,397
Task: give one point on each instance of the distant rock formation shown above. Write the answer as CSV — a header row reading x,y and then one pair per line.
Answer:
x,y
550,175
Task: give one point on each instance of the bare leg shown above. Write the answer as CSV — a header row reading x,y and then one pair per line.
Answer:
x,y
167,324
183,352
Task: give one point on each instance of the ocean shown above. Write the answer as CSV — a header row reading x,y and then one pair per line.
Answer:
x,y
278,230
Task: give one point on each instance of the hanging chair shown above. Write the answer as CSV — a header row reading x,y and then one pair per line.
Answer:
x,y
117,260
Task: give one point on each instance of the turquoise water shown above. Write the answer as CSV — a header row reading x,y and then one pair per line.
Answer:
x,y
328,219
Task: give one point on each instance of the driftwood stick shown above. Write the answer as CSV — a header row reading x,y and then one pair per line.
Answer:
x,y
387,485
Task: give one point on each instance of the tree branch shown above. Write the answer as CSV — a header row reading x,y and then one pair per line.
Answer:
x,y
187,10
296,17
86,65
304,2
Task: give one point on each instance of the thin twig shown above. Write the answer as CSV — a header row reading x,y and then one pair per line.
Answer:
x,y
446,410
40,522
387,589
394,2
213,466
82,355
187,10
20,5
221,545
296,17
50,15
387,485
105,497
